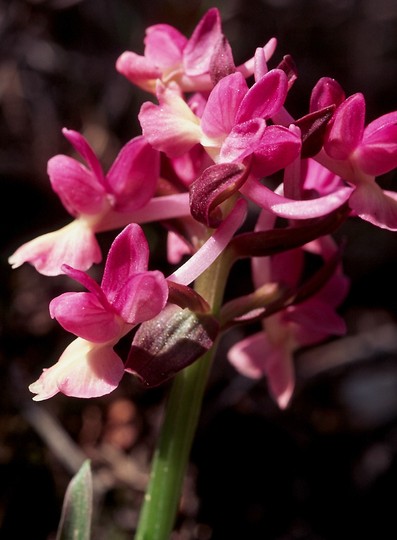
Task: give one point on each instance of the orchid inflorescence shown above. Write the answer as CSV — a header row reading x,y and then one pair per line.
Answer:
x,y
207,150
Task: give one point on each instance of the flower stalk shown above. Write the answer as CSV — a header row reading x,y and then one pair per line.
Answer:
x,y
171,456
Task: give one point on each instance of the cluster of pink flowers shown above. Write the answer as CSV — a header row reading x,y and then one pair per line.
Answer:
x,y
219,138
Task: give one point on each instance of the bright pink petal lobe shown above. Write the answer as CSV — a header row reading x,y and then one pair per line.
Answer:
x,y
85,150
265,98
84,315
164,46
346,128
243,140
200,47
377,153
141,297
76,186
219,115
128,255
326,92
134,174
277,148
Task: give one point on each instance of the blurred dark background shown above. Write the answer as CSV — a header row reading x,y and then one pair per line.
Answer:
x,y
324,469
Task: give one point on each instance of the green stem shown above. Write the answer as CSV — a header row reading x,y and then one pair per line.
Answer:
x,y
181,416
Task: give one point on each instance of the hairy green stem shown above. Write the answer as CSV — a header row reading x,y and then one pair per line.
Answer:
x,y
181,416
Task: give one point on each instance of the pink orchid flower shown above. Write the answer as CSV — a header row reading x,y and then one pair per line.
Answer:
x,y
170,56
358,154
128,295
366,152
92,198
233,124
270,352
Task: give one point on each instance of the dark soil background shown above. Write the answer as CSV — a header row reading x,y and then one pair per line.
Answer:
x,y
324,469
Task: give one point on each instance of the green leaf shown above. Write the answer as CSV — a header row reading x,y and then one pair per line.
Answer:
x,y
76,515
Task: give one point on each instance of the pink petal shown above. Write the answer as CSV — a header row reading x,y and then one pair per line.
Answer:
x,y
255,357
265,98
76,186
190,165
74,244
242,141
84,315
128,255
86,280
326,92
200,47
382,123
377,153
85,150
141,297
346,129
134,174
84,370
164,46
289,208
219,115
170,127
138,70
319,179
374,205
317,320
278,147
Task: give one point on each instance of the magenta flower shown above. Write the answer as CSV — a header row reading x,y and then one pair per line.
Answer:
x,y
270,352
232,126
170,56
128,295
93,199
233,130
192,63
359,154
